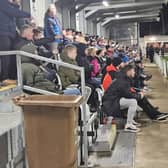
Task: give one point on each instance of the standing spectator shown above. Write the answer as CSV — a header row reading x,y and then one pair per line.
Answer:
x,y
52,27
151,53
147,51
9,12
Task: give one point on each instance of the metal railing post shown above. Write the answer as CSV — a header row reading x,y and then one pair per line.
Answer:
x,y
85,140
19,71
19,54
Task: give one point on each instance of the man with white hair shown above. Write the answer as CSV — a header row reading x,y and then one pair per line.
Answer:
x,y
52,27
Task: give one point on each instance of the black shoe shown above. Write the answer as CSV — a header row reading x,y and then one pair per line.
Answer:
x,y
162,116
148,77
161,120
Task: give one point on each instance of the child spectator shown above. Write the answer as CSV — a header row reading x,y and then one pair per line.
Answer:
x,y
69,76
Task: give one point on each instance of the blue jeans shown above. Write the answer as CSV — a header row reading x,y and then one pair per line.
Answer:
x,y
95,81
72,91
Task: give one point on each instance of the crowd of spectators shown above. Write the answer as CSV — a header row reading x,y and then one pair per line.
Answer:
x,y
107,64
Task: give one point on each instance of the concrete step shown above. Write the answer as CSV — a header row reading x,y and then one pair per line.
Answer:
x,y
122,155
105,140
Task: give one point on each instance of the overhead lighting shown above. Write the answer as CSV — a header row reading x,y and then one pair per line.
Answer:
x,y
105,3
152,38
117,16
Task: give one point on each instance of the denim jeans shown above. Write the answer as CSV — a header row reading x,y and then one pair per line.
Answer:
x,y
95,81
72,91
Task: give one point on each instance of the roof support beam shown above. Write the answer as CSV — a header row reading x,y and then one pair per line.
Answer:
x,y
121,7
108,21
81,7
140,20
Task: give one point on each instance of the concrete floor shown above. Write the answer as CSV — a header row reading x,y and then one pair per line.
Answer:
x,y
152,142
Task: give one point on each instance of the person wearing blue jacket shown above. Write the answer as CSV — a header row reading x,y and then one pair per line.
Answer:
x,y
52,27
9,12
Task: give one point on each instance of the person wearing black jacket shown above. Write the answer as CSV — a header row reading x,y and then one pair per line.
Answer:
x,y
9,12
120,95
151,52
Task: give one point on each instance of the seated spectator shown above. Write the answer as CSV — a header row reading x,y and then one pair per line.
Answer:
x,y
96,69
120,95
33,74
109,51
94,61
140,76
35,77
124,57
69,76
26,43
101,57
68,37
84,62
42,42
111,70
100,44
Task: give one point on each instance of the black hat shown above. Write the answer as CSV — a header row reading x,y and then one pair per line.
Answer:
x,y
116,61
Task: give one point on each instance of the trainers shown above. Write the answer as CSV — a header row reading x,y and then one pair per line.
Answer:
x,y
162,116
148,77
161,120
131,128
137,124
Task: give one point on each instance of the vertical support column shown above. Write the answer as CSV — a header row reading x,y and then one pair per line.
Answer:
x,y
73,19
65,17
138,35
82,22
89,25
163,23
94,28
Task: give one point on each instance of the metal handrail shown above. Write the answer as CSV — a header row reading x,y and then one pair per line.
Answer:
x,y
20,54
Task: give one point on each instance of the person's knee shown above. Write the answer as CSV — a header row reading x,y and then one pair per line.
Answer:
x,y
134,103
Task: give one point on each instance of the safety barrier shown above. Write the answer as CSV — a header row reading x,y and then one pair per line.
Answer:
x,y
162,63
20,85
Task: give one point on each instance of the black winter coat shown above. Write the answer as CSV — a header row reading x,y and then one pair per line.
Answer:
x,y
8,14
120,88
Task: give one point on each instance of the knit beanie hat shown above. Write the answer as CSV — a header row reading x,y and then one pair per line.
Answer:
x,y
116,61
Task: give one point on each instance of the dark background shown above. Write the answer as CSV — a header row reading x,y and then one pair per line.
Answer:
x,y
156,28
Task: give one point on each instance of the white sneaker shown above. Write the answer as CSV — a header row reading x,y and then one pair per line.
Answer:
x,y
131,128
136,123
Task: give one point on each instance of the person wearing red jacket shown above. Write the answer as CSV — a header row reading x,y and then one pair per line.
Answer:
x,y
111,71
